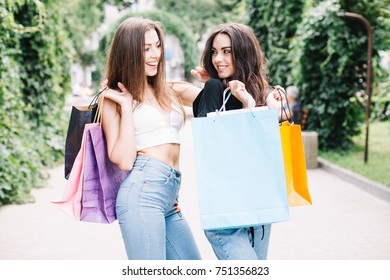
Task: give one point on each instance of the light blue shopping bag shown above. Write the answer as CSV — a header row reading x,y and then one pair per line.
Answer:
x,y
239,169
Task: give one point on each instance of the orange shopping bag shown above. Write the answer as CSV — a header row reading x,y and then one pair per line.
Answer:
x,y
294,165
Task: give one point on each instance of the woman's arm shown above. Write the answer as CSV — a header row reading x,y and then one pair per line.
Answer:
x,y
117,122
187,91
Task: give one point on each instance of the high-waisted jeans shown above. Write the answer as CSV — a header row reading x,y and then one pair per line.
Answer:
x,y
151,223
240,243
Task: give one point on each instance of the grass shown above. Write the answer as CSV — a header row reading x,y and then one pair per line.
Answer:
x,y
377,167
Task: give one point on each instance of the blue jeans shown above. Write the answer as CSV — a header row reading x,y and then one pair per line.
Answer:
x,y
239,244
151,223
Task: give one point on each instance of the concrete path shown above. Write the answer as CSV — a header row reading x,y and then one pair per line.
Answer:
x,y
344,223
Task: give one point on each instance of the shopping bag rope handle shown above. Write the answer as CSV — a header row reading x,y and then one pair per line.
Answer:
x,y
225,99
100,98
281,91
95,98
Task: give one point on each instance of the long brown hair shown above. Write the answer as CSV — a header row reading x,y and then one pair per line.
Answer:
x,y
126,62
248,59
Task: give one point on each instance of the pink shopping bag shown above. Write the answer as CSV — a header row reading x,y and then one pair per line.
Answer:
x,y
70,202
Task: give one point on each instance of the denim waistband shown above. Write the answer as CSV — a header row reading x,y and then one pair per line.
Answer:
x,y
142,161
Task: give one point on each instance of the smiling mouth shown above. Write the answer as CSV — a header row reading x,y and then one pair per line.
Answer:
x,y
221,68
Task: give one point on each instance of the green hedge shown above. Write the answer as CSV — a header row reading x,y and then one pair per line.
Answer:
x,y
275,24
324,54
331,55
34,65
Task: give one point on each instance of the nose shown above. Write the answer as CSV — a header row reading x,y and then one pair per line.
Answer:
x,y
218,57
155,52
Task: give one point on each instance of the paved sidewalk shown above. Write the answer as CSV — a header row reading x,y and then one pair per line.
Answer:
x,y
344,223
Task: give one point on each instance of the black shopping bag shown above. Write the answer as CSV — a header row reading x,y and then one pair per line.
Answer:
x,y
79,117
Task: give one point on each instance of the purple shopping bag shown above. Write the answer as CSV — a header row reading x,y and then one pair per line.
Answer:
x,y
102,179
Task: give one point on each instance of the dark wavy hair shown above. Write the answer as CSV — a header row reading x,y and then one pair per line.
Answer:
x,y
248,58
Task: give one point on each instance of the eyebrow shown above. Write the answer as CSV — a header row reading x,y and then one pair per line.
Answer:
x,y
228,47
148,44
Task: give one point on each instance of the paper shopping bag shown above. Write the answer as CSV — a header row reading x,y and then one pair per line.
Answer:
x,y
79,117
239,169
70,202
101,179
294,165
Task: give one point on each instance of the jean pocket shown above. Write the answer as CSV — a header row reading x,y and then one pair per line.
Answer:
x,y
155,176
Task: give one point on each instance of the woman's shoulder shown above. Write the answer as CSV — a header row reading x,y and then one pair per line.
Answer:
x,y
215,84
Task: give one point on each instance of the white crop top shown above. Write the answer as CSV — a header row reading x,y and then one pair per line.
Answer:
x,y
154,127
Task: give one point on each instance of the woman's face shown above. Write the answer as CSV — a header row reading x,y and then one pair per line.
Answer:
x,y
221,56
152,52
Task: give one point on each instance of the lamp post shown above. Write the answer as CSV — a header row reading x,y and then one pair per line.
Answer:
x,y
369,74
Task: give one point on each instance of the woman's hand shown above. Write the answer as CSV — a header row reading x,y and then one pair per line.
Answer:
x,y
122,98
201,74
104,84
276,98
239,91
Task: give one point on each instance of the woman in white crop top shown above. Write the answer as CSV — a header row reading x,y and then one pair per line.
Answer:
x,y
142,116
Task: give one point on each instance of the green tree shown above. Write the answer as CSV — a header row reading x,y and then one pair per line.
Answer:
x,y
311,44
330,55
199,15
275,24
34,77
44,59
17,173
121,4
82,18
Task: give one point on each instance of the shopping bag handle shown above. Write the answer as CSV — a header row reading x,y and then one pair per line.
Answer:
x,y
99,110
282,93
95,98
225,99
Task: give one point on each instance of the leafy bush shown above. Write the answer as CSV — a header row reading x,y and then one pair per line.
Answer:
x,y
275,23
45,56
20,164
331,54
34,66
325,55
200,15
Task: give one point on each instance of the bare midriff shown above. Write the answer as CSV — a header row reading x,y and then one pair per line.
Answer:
x,y
168,153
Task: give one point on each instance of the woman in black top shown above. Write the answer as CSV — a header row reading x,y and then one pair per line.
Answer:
x,y
234,58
